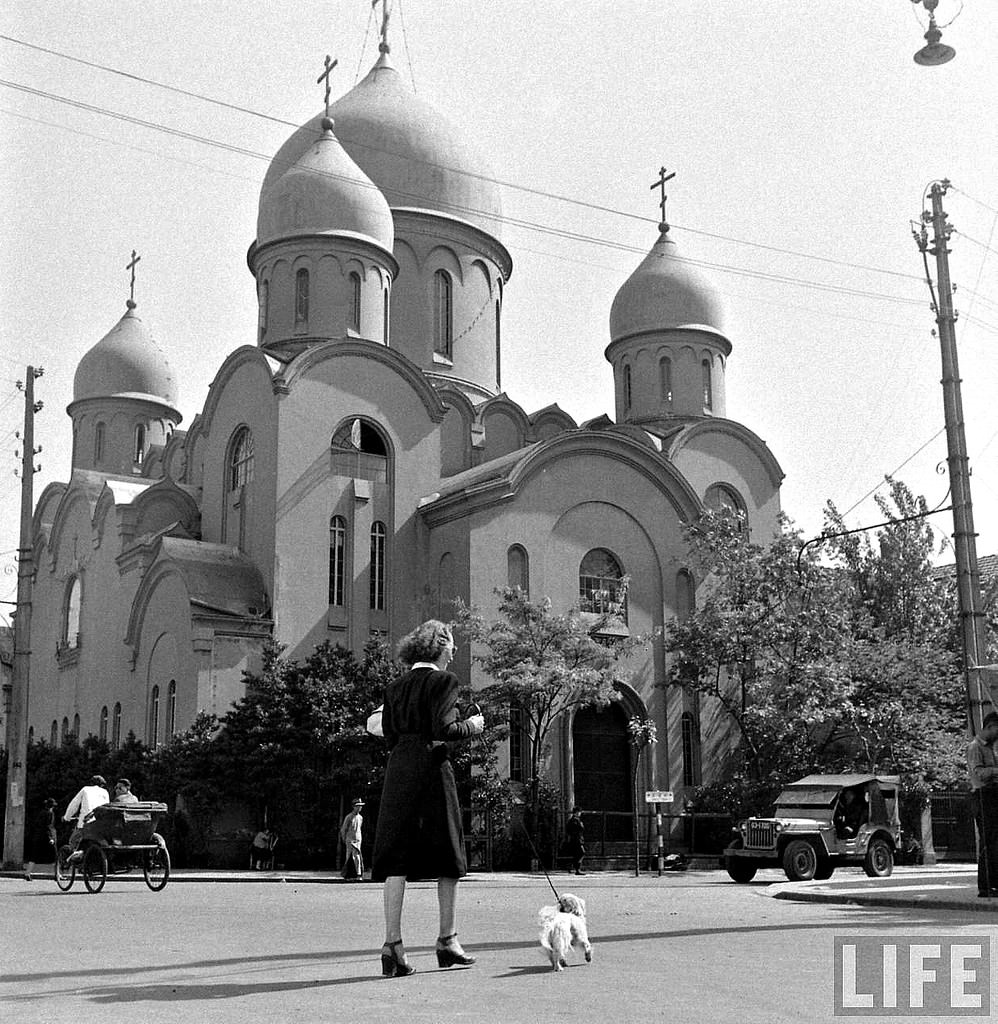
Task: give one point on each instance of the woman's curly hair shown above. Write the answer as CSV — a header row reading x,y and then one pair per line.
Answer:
x,y
425,642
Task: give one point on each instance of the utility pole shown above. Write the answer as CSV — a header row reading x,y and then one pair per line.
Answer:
x,y
968,581
17,754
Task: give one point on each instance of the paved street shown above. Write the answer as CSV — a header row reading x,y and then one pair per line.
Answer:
x,y
686,947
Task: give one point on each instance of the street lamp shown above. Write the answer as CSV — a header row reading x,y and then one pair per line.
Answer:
x,y
934,52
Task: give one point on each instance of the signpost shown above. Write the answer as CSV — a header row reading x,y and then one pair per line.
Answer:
x,y
658,797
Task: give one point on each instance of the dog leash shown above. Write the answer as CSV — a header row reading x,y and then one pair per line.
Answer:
x,y
539,861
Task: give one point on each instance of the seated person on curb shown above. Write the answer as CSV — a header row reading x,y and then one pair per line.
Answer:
x,y
850,814
94,794
123,793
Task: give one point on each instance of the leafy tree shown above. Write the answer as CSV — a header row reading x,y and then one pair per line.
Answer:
x,y
542,666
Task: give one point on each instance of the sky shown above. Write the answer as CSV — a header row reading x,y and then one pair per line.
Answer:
x,y
803,136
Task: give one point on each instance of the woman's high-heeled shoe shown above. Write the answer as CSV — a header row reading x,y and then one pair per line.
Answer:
x,y
393,962
450,953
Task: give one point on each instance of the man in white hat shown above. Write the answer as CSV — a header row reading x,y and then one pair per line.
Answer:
x,y
350,833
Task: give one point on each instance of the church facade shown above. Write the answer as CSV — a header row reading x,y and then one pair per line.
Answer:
x,y
359,465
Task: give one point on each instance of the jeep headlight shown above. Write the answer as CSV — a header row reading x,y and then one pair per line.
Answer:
x,y
778,826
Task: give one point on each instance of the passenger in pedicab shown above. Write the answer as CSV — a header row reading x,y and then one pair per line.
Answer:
x,y
91,796
123,793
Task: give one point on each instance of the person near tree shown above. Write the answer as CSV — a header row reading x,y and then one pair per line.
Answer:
x,y
351,832
982,767
575,839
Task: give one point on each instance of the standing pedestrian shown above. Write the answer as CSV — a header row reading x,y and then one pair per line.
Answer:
x,y
419,833
351,832
42,841
982,766
575,839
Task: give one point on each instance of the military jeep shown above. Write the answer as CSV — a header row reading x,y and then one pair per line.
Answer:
x,y
820,823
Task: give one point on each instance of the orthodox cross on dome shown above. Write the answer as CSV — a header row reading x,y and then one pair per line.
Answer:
x,y
660,184
329,65
386,13
131,288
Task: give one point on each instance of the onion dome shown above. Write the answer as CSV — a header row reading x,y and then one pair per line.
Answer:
x,y
408,149
322,191
126,363
665,293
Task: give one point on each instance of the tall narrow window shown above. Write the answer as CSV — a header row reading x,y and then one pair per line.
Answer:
x,y
171,709
690,749
665,379
301,300
54,733
76,726
71,620
708,390
65,730
102,727
518,758
264,300
99,444
601,585
387,316
685,595
627,387
443,314
140,444
498,348
154,718
337,560
355,300
378,537
241,459
116,726
518,568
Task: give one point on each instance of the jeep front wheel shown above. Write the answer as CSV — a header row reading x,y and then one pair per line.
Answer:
x,y
879,859
740,869
800,860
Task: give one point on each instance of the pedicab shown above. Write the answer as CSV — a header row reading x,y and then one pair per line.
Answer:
x,y
117,838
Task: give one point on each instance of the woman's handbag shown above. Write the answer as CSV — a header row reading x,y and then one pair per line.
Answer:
x,y
374,721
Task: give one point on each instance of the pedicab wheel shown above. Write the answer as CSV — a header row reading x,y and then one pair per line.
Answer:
x,y
64,871
94,868
156,867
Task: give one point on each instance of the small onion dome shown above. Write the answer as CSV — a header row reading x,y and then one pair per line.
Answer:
x,y
415,156
323,192
664,293
126,363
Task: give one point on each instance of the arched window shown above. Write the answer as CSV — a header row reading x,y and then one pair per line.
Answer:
x,y
76,726
665,379
54,733
518,568
601,585
171,709
264,299
154,718
691,749
99,444
240,459
724,499
102,726
443,314
71,615
65,730
708,389
140,444
361,436
116,726
354,300
378,540
301,300
387,317
337,560
498,346
627,387
686,600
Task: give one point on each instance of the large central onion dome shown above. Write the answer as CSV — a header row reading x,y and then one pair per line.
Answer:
x,y
323,192
126,363
407,148
665,293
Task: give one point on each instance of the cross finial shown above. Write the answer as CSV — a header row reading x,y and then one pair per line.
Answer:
x,y
131,288
386,13
329,65
663,177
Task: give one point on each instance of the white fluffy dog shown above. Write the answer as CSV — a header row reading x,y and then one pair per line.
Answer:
x,y
562,927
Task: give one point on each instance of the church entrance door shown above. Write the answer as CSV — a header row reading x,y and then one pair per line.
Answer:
x,y
602,755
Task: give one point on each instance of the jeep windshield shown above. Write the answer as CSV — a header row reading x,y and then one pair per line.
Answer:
x,y
807,798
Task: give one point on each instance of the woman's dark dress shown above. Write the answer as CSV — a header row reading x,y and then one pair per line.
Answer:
x,y
419,832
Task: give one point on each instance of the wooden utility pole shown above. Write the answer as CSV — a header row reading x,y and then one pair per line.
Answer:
x,y
17,754
968,580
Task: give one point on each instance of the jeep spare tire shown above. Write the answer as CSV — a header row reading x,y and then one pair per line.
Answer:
x,y
800,860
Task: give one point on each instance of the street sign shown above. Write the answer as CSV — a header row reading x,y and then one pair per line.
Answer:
x,y
658,796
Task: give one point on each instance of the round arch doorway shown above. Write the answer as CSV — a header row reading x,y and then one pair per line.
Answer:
x,y
601,752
